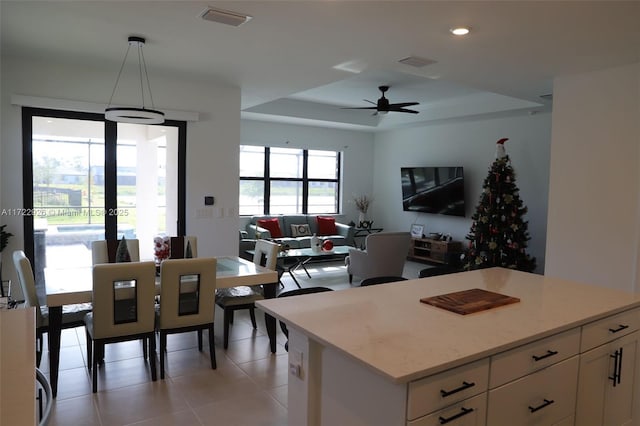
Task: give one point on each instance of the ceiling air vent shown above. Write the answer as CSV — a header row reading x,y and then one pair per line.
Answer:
x,y
224,17
417,61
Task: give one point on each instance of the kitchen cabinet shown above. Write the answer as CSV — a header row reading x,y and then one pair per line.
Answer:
x,y
377,356
608,372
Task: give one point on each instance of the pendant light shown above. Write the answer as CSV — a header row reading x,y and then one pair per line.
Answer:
x,y
142,115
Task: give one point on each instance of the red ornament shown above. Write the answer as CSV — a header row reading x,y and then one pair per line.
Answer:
x,y
327,245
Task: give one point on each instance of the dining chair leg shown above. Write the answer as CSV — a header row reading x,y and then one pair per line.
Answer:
x,y
144,349
200,340
212,349
89,352
152,357
231,313
94,372
350,278
252,314
98,352
163,348
227,313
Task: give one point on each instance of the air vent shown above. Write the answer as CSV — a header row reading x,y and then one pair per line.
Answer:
x,y
224,17
417,61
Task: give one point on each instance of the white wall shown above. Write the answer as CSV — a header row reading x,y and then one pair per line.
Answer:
x,y
594,193
212,142
356,148
470,144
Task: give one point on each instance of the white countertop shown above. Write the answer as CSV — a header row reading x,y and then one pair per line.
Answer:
x,y
387,328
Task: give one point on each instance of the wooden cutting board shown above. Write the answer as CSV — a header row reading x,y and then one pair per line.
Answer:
x,y
469,301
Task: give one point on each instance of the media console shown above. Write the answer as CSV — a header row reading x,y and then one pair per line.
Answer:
x,y
435,251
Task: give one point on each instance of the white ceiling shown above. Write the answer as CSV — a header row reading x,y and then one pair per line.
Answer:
x,y
283,59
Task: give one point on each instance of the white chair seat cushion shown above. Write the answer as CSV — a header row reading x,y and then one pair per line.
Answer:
x,y
241,295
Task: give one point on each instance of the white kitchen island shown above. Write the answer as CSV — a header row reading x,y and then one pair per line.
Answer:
x,y
564,354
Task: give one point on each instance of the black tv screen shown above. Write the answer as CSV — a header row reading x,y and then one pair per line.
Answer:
x,y
438,190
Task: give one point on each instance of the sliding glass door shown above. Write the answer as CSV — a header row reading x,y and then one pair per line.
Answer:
x,y
87,179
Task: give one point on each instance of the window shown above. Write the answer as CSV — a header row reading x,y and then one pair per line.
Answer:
x,y
89,179
288,180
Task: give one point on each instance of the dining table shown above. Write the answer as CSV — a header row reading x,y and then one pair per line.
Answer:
x,y
70,286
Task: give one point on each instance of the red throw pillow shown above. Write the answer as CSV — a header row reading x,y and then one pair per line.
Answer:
x,y
326,225
272,225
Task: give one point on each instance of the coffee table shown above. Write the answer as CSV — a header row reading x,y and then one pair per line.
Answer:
x,y
300,257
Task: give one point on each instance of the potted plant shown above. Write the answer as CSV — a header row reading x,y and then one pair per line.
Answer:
x,y
362,203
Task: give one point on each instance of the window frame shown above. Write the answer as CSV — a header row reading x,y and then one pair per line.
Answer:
x,y
110,140
267,179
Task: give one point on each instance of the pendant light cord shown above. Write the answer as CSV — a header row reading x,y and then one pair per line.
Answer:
x,y
119,74
140,72
144,64
142,69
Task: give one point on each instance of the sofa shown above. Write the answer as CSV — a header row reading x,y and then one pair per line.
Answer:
x,y
292,229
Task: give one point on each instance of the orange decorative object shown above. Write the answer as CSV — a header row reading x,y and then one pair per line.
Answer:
x,y
327,245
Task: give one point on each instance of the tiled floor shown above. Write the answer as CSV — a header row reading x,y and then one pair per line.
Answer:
x,y
249,386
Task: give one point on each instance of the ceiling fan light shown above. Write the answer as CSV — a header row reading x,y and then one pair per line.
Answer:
x,y
460,31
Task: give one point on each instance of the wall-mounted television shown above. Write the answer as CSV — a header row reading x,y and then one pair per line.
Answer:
x,y
438,190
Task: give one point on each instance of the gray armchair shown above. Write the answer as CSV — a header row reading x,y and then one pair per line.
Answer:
x,y
385,256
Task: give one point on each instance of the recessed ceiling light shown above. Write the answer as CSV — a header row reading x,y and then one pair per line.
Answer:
x,y
460,31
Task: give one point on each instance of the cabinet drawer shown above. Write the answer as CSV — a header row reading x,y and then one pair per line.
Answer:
x,y
439,247
604,330
526,359
470,412
545,397
440,390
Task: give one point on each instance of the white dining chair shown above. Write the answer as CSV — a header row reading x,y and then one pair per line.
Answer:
x,y
72,315
184,247
105,251
123,310
187,292
244,297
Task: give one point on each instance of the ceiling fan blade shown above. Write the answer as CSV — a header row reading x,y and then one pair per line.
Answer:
x,y
403,104
367,100
404,110
359,107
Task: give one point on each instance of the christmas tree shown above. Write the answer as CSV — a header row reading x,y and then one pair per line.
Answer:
x,y
499,235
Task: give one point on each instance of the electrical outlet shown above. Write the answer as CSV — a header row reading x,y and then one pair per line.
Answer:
x,y
295,363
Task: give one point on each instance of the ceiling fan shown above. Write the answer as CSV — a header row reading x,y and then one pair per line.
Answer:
x,y
383,106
